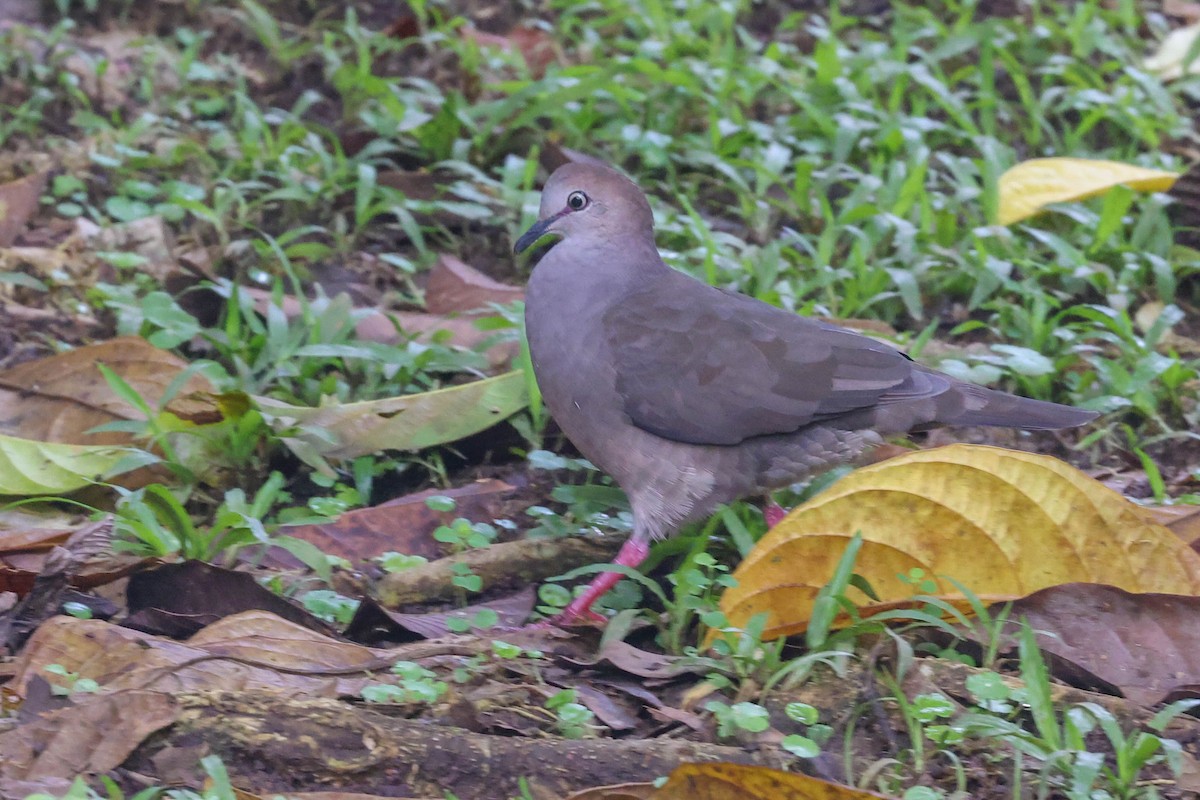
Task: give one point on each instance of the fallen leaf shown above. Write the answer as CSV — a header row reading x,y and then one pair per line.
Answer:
x,y
29,467
93,736
1146,645
148,237
251,651
1183,521
1181,8
180,599
618,791
1031,185
18,203
725,781
1168,60
644,663
413,185
51,587
62,397
22,530
453,286
1002,522
372,622
407,422
534,45
404,524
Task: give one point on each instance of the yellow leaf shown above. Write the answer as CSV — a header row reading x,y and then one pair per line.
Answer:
x,y
1004,523
1167,61
725,781
1031,185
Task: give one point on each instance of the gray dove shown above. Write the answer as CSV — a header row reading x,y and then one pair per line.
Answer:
x,y
691,396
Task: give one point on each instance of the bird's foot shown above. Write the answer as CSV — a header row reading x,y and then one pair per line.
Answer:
x,y
579,611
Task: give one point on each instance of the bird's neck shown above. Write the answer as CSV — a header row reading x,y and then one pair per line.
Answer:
x,y
600,267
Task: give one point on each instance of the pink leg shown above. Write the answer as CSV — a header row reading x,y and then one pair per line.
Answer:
x,y
632,554
773,513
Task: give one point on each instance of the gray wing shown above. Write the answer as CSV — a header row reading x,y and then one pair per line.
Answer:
x,y
696,364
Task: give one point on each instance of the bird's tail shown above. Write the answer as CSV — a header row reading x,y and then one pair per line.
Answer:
x,y
966,404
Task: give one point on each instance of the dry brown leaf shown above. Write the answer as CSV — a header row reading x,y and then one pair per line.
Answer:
x,y
1182,8
179,599
404,524
453,286
92,737
34,539
18,203
1004,523
238,653
62,397
724,781
18,571
148,237
373,622
1144,644
534,45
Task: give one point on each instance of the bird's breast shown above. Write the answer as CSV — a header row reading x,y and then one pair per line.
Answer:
x,y
572,361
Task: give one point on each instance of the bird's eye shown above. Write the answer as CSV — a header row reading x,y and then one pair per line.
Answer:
x,y
577,201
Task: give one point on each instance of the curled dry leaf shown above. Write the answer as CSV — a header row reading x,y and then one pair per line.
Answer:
x,y
1032,185
252,651
1183,521
182,598
407,422
1004,523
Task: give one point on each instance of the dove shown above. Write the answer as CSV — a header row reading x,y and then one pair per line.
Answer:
x,y
690,396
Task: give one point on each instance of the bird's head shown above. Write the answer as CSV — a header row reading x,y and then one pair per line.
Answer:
x,y
590,201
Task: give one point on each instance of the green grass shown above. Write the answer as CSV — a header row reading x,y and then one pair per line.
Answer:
x,y
830,164
833,165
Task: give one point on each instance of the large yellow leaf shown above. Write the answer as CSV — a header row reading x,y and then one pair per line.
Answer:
x,y
1030,186
1002,522
725,781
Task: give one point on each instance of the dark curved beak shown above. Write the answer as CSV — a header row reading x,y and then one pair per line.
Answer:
x,y
535,232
